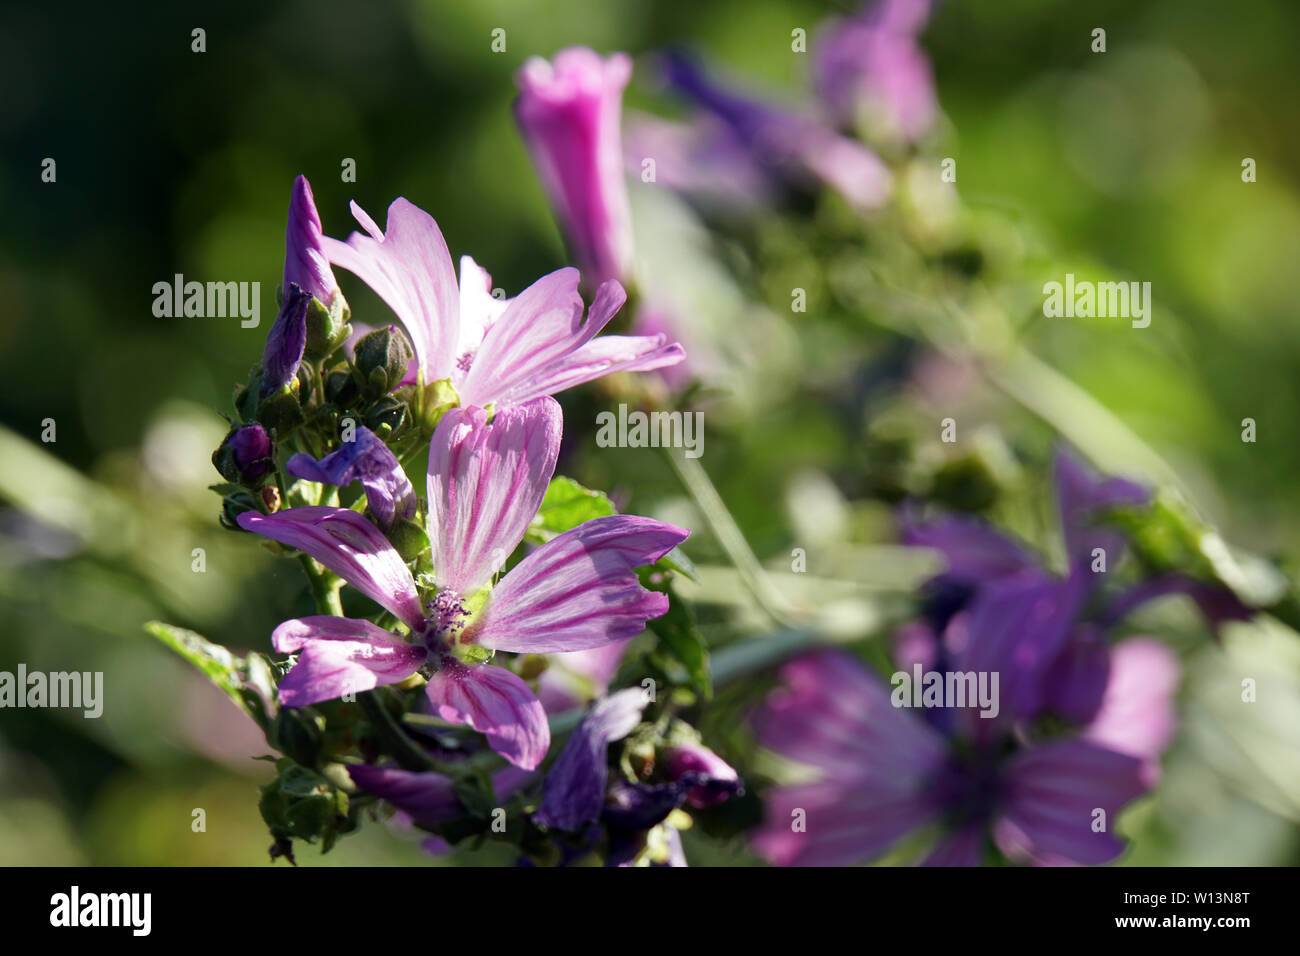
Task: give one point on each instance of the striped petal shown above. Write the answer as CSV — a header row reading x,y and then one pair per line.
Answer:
x,y
339,655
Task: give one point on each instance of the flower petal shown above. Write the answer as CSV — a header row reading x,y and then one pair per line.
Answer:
x,y
340,655
578,590
1051,793
1081,493
367,459
540,327
351,547
497,704
305,264
598,358
410,268
1136,715
486,483
428,798
575,785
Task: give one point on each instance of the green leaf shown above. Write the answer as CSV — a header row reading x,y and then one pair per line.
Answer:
x,y
244,682
679,638
566,505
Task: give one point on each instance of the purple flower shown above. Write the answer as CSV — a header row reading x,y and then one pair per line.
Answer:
x,y
367,459
494,352
305,264
577,678
791,146
286,341
578,591
870,70
575,786
882,774
569,112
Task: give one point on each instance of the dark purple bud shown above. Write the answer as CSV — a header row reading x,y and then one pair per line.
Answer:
x,y
245,455
285,344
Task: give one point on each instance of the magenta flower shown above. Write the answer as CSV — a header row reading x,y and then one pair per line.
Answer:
x,y
305,264
494,352
368,460
578,591
569,111
870,70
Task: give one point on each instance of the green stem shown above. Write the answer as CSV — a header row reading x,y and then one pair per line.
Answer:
x,y
728,534
325,586
396,744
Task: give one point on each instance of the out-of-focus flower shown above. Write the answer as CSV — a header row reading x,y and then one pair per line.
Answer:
x,y
791,146
305,264
569,111
882,773
494,352
871,73
368,460
577,591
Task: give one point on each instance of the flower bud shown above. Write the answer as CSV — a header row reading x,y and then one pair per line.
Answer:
x,y
718,780
244,456
305,263
327,327
286,342
381,358
386,417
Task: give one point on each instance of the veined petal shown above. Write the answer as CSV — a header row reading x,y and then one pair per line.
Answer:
x,y
575,785
486,483
351,547
540,326
340,655
497,704
389,492
410,268
598,358
579,589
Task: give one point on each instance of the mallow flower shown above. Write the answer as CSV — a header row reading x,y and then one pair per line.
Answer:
x,y
792,147
569,110
494,352
880,773
486,481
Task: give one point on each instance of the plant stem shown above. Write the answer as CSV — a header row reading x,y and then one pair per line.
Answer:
x,y
325,586
728,534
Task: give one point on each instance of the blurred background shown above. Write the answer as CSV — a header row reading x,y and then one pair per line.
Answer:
x,y
1123,165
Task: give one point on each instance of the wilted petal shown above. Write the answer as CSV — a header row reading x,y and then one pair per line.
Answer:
x,y
286,341
486,483
569,111
409,267
1051,794
340,655
305,264
352,548
367,459
428,798
579,589
575,785
497,704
